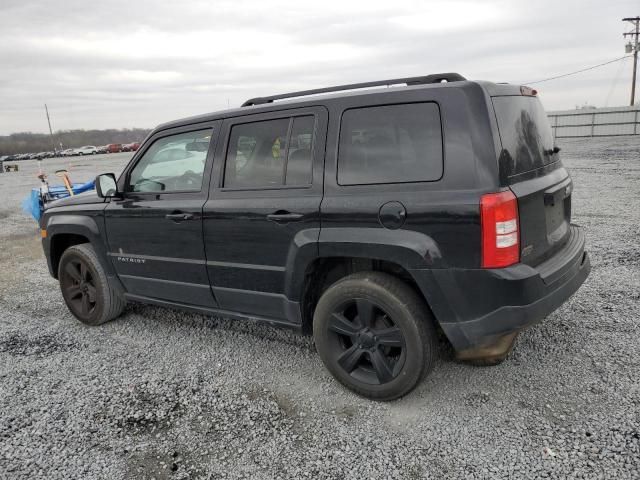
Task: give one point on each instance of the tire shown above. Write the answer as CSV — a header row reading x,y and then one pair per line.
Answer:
x,y
85,287
375,335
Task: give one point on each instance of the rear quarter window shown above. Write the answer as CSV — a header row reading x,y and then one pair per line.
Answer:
x,y
390,144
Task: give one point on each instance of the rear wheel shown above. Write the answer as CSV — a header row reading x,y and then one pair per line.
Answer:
x,y
375,335
85,287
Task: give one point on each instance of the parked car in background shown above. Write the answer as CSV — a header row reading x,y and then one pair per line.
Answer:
x,y
103,149
69,152
87,150
130,147
114,148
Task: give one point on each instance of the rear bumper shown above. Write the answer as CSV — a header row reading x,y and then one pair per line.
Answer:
x,y
478,307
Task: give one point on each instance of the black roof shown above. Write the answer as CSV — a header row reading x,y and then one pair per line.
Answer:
x,y
258,104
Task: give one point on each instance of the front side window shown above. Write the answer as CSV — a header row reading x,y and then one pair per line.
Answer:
x,y
172,164
390,144
270,153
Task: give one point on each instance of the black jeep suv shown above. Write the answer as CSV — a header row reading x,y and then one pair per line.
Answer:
x,y
375,218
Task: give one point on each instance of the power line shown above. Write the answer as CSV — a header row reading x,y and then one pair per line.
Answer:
x,y
577,71
614,83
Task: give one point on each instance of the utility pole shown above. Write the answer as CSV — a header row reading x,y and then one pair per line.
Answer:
x,y
634,48
53,142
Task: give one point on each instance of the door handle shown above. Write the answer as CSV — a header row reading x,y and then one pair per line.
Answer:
x,y
179,217
282,216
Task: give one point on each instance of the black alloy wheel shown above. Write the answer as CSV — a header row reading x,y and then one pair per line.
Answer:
x,y
79,287
367,343
86,288
375,334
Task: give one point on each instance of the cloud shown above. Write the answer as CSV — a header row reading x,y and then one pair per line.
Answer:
x,y
119,63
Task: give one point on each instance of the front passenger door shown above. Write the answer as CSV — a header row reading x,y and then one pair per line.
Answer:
x,y
155,231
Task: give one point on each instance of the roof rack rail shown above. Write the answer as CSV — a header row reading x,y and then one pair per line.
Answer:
x,y
434,78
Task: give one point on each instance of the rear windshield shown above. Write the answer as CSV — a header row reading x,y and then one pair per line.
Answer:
x,y
525,133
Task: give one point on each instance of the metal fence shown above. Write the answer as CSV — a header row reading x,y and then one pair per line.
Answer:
x,y
595,122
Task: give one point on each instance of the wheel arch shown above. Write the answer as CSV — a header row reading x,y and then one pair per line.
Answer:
x,y
59,244
64,231
318,258
326,271
407,249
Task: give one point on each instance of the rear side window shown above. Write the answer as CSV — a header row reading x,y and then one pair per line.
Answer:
x,y
390,144
270,153
525,133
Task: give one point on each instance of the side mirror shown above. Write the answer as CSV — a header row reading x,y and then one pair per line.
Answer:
x,y
106,185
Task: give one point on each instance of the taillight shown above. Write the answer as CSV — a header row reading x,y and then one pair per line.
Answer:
x,y
499,224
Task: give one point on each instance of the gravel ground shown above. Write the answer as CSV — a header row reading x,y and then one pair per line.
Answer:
x,y
165,394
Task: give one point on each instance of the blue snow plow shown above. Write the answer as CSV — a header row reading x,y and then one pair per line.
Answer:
x,y
39,197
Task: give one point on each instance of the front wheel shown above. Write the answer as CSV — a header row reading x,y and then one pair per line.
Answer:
x,y
85,287
375,335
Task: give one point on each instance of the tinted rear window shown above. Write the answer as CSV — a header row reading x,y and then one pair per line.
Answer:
x,y
525,133
390,144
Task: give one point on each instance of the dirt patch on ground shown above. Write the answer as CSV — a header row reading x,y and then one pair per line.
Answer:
x,y
19,345
18,248
18,254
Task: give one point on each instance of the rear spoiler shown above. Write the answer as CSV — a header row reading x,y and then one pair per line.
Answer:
x,y
505,89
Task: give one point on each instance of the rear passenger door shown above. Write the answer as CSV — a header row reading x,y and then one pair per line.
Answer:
x,y
264,208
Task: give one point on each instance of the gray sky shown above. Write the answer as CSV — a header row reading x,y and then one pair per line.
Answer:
x,y
138,63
